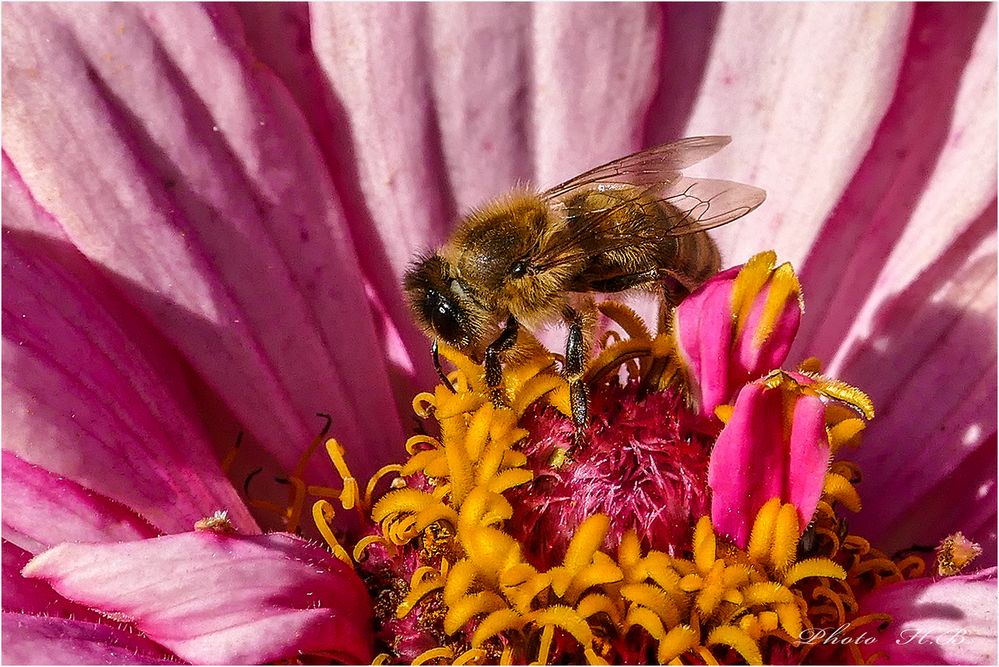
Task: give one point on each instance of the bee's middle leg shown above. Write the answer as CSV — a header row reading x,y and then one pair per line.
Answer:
x,y
494,369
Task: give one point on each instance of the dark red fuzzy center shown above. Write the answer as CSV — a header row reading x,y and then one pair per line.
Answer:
x,y
643,463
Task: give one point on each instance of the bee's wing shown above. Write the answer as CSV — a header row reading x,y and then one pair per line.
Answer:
x,y
699,204
660,165
692,205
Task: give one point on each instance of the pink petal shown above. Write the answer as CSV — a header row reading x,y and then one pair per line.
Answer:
x,y
719,342
755,459
39,640
30,596
808,457
801,125
957,190
209,204
948,621
930,303
41,510
212,598
93,395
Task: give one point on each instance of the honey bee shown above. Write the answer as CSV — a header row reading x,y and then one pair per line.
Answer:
x,y
530,257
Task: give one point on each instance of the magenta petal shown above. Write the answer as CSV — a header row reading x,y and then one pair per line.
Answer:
x,y
736,328
948,621
704,331
41,509
748,465
40,640
755,459
809,456
208,202
31,596
212,598
92,394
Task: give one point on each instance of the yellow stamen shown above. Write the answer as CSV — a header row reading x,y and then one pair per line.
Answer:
x,y
565,618
814,567
462,611
761,536
783,285
547,634
955,553
495,623
785,540
473,656
677,641
322,515
837,487
704,544
440,653
747,285
653,599
737,639
296,504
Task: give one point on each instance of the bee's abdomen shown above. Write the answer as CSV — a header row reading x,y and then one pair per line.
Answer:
x,y
694,259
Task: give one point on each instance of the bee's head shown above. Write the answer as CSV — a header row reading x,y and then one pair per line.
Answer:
x,y
442,304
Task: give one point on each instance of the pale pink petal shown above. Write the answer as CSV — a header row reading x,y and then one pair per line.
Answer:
x,y
387,161
40,640
482,83
212,598
208,202
594,70
876,206
756,458
948,621
686,47
92,394
930,367
801,88
956,190
41,509
30,596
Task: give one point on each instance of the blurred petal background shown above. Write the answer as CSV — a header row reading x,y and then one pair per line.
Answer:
x,y
208,210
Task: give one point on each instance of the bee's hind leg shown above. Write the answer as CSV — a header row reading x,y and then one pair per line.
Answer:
x,y
494,369
575,366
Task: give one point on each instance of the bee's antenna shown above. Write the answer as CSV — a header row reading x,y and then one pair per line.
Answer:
x,y
437,367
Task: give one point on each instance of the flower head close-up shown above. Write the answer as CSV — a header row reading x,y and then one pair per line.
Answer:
x,y
438,333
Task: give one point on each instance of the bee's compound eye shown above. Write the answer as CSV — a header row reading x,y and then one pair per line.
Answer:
x,y
444,317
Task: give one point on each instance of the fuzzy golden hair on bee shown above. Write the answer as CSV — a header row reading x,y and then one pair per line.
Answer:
x,y
529,256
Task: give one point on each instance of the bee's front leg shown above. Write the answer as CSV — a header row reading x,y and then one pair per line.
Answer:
x,y
494,369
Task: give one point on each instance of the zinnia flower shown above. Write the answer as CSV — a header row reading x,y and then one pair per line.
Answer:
x,y
208,210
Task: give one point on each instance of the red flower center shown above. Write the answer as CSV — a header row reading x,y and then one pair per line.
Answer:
x,y
644,464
